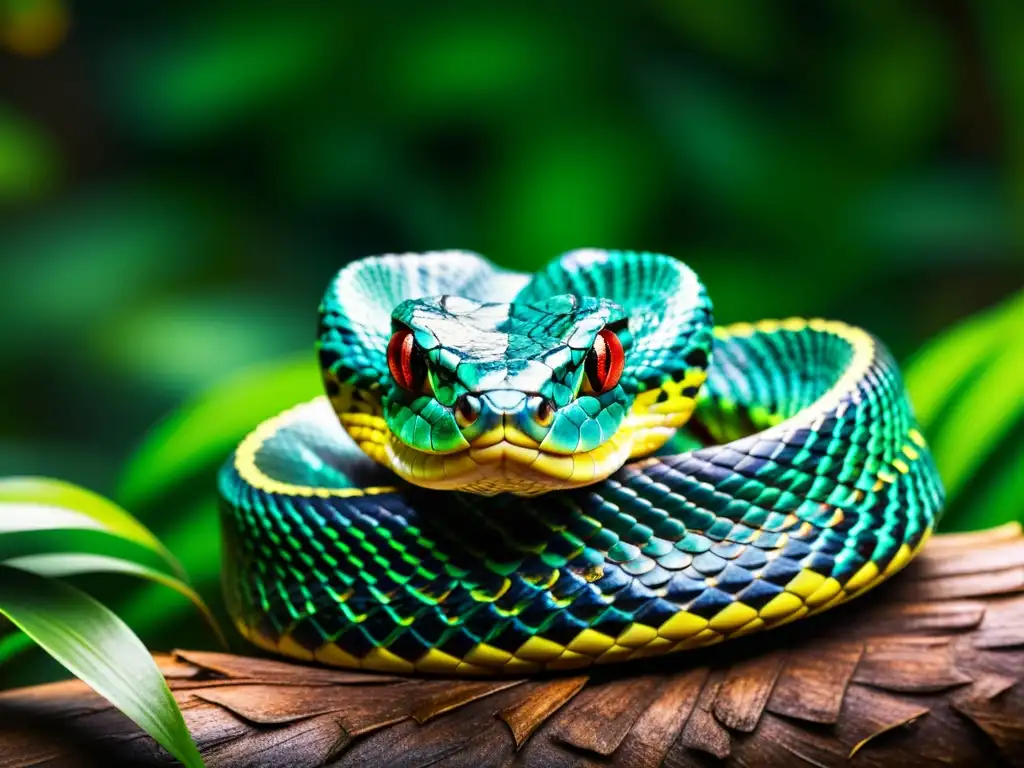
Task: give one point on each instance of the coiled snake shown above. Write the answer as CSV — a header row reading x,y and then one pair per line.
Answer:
x,y
504,476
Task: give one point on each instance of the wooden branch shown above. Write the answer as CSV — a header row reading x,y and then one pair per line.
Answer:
x,y
924,670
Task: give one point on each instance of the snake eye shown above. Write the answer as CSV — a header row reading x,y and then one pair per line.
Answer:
x,y
605,362
406,366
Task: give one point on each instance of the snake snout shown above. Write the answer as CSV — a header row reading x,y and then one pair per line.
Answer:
x,y
502,414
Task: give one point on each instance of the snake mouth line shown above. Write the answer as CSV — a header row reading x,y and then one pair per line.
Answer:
x,y
506,466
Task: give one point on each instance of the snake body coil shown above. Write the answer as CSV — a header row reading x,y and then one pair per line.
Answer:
x,y
505,476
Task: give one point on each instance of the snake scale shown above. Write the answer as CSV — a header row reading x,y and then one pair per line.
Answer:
x,y
513,473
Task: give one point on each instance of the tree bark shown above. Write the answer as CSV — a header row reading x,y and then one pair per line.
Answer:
x,y
924,670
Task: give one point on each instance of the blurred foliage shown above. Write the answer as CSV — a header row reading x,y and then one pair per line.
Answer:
x,y
179,181
26,159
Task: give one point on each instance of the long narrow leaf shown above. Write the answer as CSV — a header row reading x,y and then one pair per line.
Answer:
x,y
97,647
976,425
934,372
968,392
74,541
27,499
60,564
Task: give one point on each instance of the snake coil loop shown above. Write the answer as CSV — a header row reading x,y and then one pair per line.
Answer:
x,y
515,473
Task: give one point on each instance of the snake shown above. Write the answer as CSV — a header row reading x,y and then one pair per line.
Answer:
x,y
512,473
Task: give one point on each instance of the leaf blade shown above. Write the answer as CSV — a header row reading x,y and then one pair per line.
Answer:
x,y
100,649
47,493
932,373
59,565
977,423
966,389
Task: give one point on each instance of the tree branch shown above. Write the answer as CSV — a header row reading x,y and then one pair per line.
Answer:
x,y
923,670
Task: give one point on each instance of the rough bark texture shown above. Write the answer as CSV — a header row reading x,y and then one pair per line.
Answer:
x,y
925,670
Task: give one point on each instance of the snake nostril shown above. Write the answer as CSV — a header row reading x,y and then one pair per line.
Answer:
x,y
467,409
543,412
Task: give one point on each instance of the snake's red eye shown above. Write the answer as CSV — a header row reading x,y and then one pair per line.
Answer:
x,y
604,362
402,361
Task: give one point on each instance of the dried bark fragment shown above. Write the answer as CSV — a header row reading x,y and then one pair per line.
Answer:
x,y
910,664
358,710
526,716
785,743
1003,626
600,717
652,735
456,738
269,670
984,689
811,685
919,618
1001,556
702,731
455,695
174,668
1002,582
275,704
745,691
994,703
973,540
868,714
303,744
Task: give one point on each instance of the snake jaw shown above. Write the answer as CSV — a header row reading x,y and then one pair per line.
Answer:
x,y
510,447
505,466
503,450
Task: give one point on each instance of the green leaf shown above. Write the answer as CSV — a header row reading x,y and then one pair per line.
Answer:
x,y
32,503
189,357
933,373
54,528
952,355
53,541
996,499
968,392
206,430
100,649
977,422
60,565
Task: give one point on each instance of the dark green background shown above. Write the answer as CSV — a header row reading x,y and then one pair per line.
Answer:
x,y
178,181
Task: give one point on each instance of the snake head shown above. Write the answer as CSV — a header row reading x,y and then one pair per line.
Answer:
x,y
532,385
492,397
